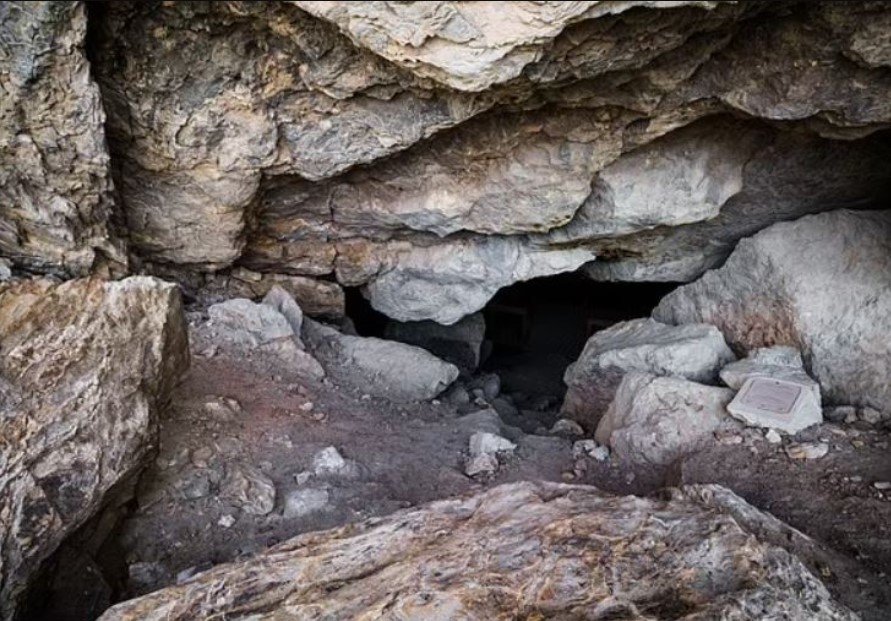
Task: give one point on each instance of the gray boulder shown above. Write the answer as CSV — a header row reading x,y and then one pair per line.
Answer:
x,y
821,284
655,420
86,368
261,328
459,343
695,352
284,303
529,546
382,368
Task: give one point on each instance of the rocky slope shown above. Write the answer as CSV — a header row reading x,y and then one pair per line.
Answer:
x,y
433,152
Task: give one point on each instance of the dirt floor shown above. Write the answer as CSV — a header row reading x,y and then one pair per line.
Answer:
x,y
240,421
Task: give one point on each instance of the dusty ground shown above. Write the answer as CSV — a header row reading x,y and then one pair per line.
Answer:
x,y
186,518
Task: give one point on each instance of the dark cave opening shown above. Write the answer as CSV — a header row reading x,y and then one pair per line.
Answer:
x,y
539,327
535,329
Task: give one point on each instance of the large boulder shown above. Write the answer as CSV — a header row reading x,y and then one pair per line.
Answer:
x,y
656,420
388,369
85,367
525,551
695,352
821,284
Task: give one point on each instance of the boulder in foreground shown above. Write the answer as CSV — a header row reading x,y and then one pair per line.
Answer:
x,y
85,367
520,551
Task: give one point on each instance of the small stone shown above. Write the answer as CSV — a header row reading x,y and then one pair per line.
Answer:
x,y
882,485
307,407
568,476
871,416
185,574
201,456
302,502
436,402
365,397
504,407
225,408
208,352
302,477
194,487
319,417
809,450
590,448
840,413
851,418
249,489
458,396
772,436
491,387
226,521
481,464
484,443
329,462
566,427
729,439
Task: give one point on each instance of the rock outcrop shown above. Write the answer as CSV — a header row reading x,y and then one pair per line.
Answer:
x,y
432,153
695,352
656,420
85,367
821,284
534,550
56,199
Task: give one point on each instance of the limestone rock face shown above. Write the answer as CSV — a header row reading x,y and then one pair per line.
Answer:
x,y
56,200
656,420
527,545
821,284
85,367
434,153
695,352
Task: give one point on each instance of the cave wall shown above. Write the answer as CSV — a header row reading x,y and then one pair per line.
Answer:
x,y
431,152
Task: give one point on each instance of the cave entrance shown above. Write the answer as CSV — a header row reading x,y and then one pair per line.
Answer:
x,y
535,329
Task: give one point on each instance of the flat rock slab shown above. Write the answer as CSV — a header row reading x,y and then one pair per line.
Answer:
x,y
524,550
776,404
85,367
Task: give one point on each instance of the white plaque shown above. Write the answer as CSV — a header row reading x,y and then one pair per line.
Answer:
x,y
769,402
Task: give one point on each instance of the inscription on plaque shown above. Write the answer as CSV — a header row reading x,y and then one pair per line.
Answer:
x,y
771,395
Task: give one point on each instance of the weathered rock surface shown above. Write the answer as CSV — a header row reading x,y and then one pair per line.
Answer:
x,y
85,367
695,352
656,420
526,545
281,301
396,371
261,328
459,343
821,284
56,200
435,153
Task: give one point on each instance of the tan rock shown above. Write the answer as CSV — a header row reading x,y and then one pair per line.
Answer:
x,y
85,368
525,550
